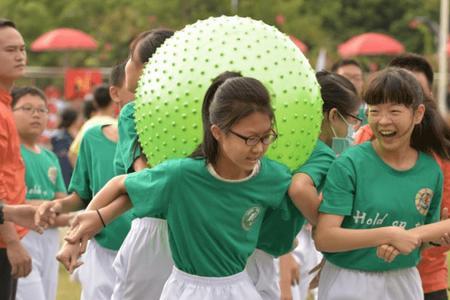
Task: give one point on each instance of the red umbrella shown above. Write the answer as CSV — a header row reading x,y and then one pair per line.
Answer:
x,y
64,39
299,44
370,44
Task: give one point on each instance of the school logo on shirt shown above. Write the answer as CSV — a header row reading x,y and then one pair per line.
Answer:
x,y
423,200
52,173
249,218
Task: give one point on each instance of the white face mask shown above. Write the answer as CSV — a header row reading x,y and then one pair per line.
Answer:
x,y
340,144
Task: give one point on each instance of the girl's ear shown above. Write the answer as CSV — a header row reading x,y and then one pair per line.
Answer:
x,y
418,114
216,132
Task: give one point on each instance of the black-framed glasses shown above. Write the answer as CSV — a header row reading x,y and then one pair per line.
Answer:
x,y
354,117
266,139
31,110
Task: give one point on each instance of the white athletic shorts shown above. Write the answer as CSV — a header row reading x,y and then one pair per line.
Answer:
x,y
144,261
344,284
183,286
263,272
97,275
42,282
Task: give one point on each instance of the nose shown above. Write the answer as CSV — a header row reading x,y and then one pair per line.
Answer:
x,y
258,148
384,119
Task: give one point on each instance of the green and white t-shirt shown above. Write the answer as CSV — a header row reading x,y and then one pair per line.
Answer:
x,y
127,148
213,224
278,232
43,176
94,168
369,193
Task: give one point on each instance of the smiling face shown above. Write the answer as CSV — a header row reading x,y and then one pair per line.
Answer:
x,y
12,55
393,124
233,150
30,114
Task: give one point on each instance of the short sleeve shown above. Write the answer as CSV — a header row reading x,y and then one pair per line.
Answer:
x,y
434,213
80,182
128,148
339,189
279,230
150,190
317,166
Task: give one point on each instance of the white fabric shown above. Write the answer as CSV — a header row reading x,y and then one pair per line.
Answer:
x,y
183,286
307,257
42,282
261,268
344,284
96,275
144,261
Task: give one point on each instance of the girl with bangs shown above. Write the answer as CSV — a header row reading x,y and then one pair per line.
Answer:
x,y
378,195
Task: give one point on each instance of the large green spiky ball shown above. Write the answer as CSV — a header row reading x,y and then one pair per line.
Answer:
x,y
171,90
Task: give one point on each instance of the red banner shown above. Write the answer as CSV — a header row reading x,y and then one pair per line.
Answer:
x,y
79,82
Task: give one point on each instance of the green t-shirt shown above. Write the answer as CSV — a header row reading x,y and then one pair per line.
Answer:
x,y
286,229
213,224
318,164
43,176
128,148
369,193
94,168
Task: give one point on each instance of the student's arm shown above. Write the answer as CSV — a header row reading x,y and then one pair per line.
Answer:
x,y
303,193
329,236
47,212
139,164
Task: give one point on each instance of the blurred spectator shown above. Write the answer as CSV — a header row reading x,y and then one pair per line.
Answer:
x,y
352,70
70,124
104,115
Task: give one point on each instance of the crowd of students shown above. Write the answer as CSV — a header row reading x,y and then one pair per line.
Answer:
x,y
364,217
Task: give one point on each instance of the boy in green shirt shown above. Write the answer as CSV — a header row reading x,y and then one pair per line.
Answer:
x,y
44,182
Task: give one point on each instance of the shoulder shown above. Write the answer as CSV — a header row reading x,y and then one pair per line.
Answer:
x,y
273,168
93,131
127,111
49,153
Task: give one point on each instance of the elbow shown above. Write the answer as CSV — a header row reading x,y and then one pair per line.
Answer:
x,y
319,241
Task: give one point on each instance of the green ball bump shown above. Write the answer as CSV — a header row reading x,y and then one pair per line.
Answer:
x,y
184,66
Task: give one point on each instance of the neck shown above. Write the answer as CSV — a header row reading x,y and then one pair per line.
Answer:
x,y
325,134
30,143
6,85
402,158
227,170
72,131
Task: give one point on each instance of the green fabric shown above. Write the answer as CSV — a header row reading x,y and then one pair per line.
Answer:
x,y
318,164
128,149
43,176
213,224
92,171
371,194
277,231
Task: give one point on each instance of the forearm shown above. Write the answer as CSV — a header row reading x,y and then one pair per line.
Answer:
x,y
111,191
73,202
337,239
62,220
432,232
139,164
115,209
8,230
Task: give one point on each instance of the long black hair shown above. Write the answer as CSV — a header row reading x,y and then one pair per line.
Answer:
x,y
229,99
396,85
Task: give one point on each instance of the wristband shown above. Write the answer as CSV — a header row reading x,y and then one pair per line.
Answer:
x,y
101,219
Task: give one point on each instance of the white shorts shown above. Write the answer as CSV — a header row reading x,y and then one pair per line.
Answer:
x,y
144,261
261,268
96,275
307,257
183,286
41,283
344,284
